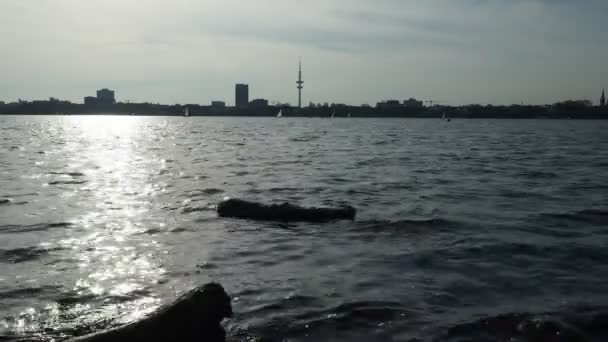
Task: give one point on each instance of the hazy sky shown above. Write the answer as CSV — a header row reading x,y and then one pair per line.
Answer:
x,y
353,51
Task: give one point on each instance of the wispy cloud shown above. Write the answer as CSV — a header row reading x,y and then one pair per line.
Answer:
x,y
354,50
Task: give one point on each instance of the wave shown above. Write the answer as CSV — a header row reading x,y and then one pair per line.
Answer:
x,y
188,210
12,228
562,256
19,255
590,324
10,201
537,174
406,225
384,142
204,192
296,322
71,174
67,182
305,138
593,216
279,190
21,195
29,292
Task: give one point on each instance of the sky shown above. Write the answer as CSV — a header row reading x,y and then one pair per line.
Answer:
x,y
353,51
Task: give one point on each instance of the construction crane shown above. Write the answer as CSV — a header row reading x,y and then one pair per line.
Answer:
x,y
431,102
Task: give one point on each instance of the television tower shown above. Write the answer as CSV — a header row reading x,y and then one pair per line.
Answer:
x,y
299,83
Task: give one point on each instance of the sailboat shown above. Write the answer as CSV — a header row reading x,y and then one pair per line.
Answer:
x,y
187,112
444,118
280,113
333,114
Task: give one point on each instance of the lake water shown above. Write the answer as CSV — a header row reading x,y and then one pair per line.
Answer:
x,y
470,230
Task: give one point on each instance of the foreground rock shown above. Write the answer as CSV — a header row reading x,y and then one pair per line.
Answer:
x,y
196,316
282,212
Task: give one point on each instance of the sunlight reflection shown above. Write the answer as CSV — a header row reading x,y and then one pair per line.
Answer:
x,y
115,258
111,171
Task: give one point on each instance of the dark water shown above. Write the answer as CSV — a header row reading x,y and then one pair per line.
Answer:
x,y
467,231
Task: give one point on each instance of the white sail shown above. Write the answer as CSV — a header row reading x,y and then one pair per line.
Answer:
x,y
443,116
280,113
187,112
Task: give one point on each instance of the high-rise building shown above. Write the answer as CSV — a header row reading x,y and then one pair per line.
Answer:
x,y
241,95
603,99
105,96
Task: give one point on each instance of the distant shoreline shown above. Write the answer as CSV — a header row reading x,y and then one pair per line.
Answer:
x,y
560,110
557,117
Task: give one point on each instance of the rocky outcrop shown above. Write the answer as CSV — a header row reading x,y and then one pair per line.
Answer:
x,y
282,212
196,316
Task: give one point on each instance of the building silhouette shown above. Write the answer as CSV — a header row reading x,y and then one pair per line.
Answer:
x,y
299,82
241,95
603,99
413,103
105,97
90,100
388,104
218,104
258,103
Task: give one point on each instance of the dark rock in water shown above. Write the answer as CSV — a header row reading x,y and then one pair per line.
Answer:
x,y
282,212
4,201
196,316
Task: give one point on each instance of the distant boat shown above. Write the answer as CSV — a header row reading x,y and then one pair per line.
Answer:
x,y
444,118
333,114
187,112
280,113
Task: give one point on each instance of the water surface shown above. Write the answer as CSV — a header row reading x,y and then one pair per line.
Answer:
x,y
468,230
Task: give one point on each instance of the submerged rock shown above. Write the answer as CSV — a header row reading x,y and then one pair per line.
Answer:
x,y
282,212
195,316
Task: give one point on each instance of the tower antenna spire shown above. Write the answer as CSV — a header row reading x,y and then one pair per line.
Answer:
x,y
300,82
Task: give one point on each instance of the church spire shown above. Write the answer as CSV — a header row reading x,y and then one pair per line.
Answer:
x,y
603,99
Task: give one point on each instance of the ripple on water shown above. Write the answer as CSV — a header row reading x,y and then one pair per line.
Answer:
x,y
206,191
588,324
67,182
458,238
424,225
189,209
303,319
25,254
592,216
12,228
71,174
30,292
